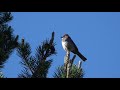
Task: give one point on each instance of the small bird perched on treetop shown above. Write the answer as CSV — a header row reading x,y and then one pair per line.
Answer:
x,y
69,46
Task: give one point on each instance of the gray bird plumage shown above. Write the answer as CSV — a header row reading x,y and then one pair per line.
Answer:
x,y
69,45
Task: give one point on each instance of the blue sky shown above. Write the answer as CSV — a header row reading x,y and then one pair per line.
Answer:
x,y
96,34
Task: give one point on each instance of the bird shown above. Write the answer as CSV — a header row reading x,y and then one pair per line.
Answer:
x,y
69,46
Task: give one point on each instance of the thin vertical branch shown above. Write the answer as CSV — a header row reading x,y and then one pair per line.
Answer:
x,y
73,60
68,64
68,69
52,38
66,60
79,64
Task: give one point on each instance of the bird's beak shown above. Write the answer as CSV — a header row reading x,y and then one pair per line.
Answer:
x,y
61,37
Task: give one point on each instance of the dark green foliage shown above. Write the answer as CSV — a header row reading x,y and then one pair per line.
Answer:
x,y
5,17
75,72
60,72
36,66
1,75
8,41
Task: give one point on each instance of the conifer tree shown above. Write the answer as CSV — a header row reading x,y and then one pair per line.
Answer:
x,y
36,66
8,41
1,75
69,69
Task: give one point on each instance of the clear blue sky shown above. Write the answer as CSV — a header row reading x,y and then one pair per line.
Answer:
x,y
96,34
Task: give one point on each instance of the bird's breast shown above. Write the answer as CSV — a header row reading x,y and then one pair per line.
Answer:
x,y
67,46
64,45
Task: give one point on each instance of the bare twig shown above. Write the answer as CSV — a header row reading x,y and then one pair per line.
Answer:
x,y
68,64
73,59
79,64
66,60
68,69
52,38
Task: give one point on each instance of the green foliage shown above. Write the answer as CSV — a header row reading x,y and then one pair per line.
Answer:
x,y
5,17
75,72
8,41
36,66
60,72
1,75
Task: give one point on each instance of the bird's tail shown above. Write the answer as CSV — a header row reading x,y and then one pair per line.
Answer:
x,y
81,56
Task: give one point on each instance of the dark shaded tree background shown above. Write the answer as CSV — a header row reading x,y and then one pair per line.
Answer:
x,y
8,41
36,66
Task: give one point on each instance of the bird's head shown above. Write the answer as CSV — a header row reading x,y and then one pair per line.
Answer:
x,y
65,36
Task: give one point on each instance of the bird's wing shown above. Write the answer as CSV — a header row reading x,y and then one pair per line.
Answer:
x,y
76,49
